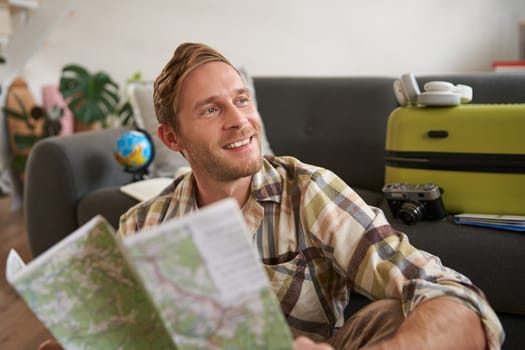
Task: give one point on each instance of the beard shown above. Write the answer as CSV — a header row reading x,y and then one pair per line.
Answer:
x,y
218,165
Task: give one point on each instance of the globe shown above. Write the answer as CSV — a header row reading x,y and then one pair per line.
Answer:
x,y
134,151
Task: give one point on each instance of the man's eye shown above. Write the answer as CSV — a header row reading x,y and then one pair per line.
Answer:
x,y
243,100
210,110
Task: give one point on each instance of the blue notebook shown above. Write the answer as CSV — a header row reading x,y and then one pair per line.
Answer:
x,y
504,222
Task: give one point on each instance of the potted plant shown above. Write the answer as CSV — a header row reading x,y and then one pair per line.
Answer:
x,y
90,97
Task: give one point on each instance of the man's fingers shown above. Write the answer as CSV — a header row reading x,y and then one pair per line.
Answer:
x,y
50,344
303,343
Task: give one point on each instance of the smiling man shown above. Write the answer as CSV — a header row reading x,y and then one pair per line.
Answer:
x,y
317,239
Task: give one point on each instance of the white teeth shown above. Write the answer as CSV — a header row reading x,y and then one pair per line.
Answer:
x,y
237,144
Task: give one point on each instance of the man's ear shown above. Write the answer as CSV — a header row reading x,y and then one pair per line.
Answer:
x,y
168,136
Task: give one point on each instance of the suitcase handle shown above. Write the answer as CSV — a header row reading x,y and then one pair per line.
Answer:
x,y
437,134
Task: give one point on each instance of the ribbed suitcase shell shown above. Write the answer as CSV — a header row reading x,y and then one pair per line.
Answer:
x,y
475,153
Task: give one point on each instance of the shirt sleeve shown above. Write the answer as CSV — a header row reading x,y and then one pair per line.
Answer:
x,y
379,262
125,223
134,219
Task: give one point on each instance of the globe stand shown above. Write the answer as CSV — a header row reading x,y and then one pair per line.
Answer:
x,y
138,174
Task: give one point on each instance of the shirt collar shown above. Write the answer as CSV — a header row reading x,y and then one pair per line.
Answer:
x,y
183,197
267,182
266,186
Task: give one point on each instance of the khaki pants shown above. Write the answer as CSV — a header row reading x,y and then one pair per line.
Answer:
x,y
376,321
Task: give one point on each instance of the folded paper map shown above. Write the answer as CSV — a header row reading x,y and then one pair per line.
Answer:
x,y
190,283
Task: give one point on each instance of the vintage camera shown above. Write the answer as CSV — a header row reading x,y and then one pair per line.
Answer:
x,y
413,203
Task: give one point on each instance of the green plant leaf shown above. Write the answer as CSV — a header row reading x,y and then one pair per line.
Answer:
x,y
137,76
14,114
76,70
25,141
18,162
24,116
107,105
125,112
70,87
90,97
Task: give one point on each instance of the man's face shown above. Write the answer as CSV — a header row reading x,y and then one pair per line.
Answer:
x,y
219,127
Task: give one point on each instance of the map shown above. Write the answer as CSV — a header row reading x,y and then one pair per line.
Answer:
x,y
211,291
191,283
87,296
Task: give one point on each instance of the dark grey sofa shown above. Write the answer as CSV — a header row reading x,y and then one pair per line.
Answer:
x,y
338,123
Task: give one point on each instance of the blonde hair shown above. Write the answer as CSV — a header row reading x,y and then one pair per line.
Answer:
x,y
167,86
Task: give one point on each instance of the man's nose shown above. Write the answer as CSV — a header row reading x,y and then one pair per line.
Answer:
x,y
234,117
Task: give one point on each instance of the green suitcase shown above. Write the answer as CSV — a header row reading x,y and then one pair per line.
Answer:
x,y
474,153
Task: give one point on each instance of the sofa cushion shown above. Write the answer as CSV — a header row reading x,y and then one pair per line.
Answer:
x,y
488,257
109,202
373,198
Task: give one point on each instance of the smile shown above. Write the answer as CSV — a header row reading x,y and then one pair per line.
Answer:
x,y
238,144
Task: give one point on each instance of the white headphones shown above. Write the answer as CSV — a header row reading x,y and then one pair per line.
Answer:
x,y
437,93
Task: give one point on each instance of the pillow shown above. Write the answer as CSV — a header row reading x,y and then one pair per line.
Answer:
x,y
265,144
166,162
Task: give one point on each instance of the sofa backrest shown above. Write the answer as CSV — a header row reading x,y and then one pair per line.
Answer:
x,y
340,123
337,123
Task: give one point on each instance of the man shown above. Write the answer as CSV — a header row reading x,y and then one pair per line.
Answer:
x,y
317,239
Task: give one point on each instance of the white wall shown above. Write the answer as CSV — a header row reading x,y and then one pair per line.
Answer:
x,y
286,37
276,37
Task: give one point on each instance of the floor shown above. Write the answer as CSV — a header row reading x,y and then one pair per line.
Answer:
x,y
19,328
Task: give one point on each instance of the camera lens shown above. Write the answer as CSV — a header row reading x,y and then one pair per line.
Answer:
x,y
411,212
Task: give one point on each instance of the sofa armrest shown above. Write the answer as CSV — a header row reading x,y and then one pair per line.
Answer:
x,y
60,171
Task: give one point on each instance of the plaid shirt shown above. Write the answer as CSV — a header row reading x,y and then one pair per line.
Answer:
x,y
318,241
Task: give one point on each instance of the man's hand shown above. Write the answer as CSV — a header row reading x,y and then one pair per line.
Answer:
x,y
303,343
438,324
50,344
